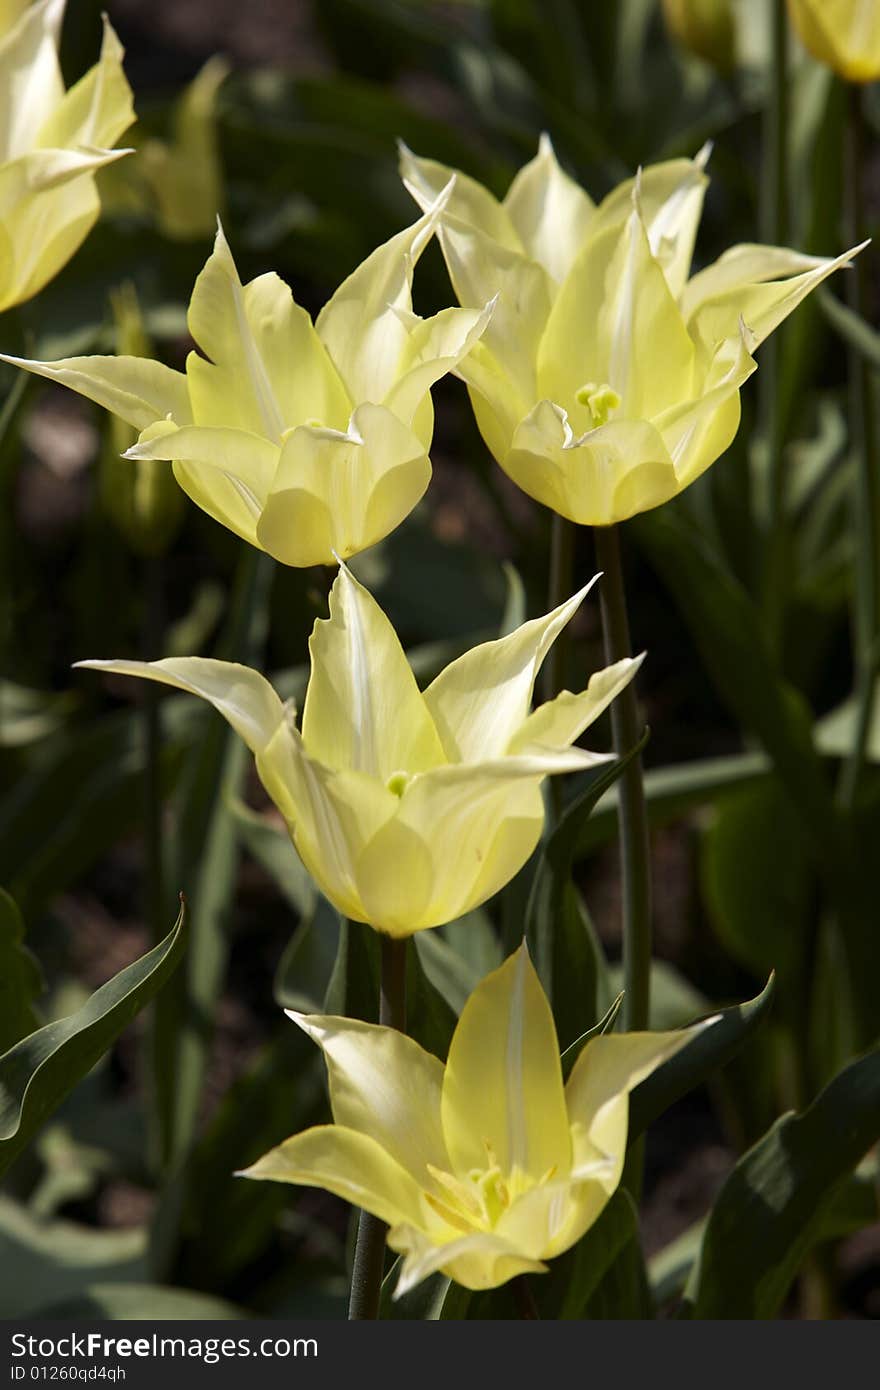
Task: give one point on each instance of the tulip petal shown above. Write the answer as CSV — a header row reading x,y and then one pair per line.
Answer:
x,y
459,834
597,1090
383,1084
363,709
31,85
98,108
268,369
136,389
361,327
330,815
760,284
479,1261
335,493
435,347
40,233
618,288
250,458
481,699
242,696
560,721
550,212
350,1164
605,476
503,1101
671,197
698,432
468,201
843,34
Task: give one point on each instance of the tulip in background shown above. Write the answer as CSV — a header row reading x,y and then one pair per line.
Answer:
x,y
408,809
706,27
607,380
311,442
842,34
52,143
484,1167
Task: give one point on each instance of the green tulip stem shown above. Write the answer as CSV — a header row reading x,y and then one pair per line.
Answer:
x,y
632,814
524,1298
152,643
866,500
775,229
369,1252
560,589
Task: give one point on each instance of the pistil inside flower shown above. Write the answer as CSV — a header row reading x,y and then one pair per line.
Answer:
x,y
398,782
600,400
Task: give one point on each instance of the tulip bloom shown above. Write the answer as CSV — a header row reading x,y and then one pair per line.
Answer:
x,y
408,809
706,27
51,144
842,34
607,380
488,1166
311,442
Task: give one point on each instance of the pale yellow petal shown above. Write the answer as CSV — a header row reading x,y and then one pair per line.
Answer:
x,y
383,1084
41,233
761,285
97,110
362,326
671,197
31,85
608,1069
481,699
242,696
698,432
330,815
435,346
503,1099
469,201
843,34
222,496
136,389
337,492
363,709
615,324
550,212
268,370
605,476
351,1165
563,719
248,458
478,1261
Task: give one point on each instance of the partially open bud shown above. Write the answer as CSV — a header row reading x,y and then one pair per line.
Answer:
x,y
705,27
140,496
843,34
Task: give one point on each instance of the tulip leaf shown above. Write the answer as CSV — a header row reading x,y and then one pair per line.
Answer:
x,y
710,1049
45,1262
758,879
567,953
852,328
21,979
609,1249
605,1025
40,1069
728,632
145,1302
425,1301
779,1197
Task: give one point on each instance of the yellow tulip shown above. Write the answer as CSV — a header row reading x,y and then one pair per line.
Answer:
x,y
309,441
185,174
51,144
706,27
488,1166
407,808
842,34
607,380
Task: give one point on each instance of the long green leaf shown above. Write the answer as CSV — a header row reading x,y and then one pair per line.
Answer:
x,y
779,1195
709,1050
21,979
39,1071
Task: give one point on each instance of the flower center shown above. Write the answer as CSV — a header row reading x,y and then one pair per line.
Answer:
x,y
398,782
600,400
